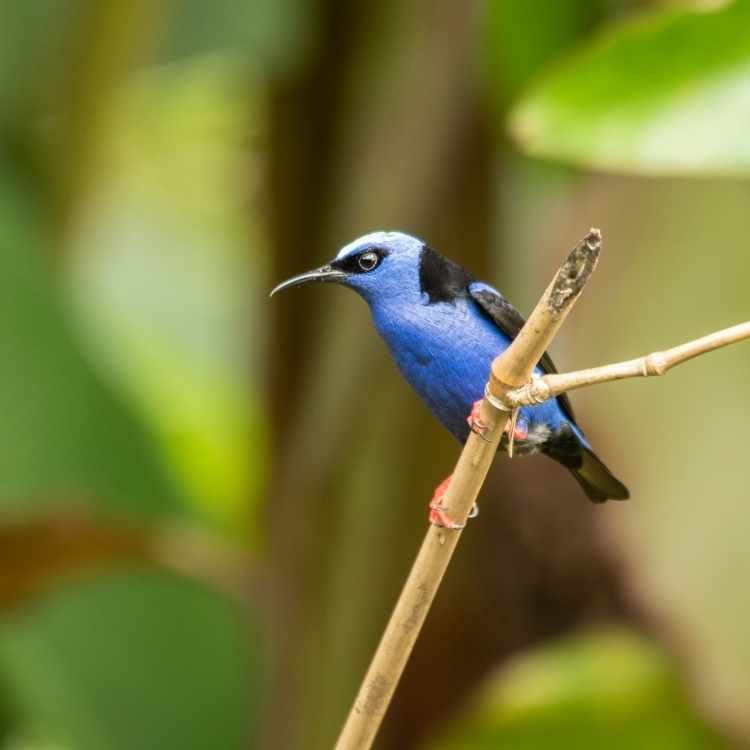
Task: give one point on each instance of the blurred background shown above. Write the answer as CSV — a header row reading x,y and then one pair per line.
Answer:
x,y
209,500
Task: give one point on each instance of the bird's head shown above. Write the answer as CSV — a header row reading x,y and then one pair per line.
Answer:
x,y
381,266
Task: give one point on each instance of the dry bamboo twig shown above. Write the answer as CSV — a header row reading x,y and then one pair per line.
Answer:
x,y
510,370
657,363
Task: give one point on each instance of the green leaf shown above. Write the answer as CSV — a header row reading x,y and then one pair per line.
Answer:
x,y
664,93
608,689
64,435
166,272
522,38
135,661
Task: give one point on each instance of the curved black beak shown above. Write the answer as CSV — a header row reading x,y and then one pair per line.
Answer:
x,y
324,273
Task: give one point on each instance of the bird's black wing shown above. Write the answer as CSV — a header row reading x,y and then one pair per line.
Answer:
x,y
510,322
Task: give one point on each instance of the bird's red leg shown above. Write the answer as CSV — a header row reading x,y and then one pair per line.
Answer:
x,y
437,512
438,516
520,432
475,420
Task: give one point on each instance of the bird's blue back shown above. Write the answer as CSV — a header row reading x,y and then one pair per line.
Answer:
x,y
445,350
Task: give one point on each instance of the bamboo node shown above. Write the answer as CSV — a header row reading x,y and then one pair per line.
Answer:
x,y
495,401
654,364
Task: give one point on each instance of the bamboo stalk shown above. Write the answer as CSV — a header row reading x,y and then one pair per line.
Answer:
x,y
510,370
657,363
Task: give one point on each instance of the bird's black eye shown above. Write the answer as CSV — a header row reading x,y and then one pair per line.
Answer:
x,y
367,261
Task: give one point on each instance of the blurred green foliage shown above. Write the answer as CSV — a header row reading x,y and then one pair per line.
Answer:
x,y
666,92
125,390
65,436
85,677
179,144
517,46
602,689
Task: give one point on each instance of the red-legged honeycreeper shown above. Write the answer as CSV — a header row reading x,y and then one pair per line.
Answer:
x,y
444,328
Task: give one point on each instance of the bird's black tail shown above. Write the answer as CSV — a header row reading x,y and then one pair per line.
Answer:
x,y
597,480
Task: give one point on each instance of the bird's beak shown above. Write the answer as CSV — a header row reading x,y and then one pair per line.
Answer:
x,y
324,273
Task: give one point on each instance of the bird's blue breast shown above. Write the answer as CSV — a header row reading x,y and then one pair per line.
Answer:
x,y
445,350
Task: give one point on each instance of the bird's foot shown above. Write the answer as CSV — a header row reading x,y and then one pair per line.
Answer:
x,y
520,429
438,514
475,420
520,426
517,428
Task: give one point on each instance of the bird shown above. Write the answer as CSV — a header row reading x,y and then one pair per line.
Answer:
x,y
443,328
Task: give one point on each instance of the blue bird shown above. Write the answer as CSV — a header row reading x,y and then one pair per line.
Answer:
x,y
443,329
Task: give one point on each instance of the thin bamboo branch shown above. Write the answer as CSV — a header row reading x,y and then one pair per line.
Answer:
x,y
657,363
510,370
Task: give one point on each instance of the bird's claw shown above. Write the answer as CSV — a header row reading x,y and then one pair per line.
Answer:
x,y
520,428
438,514
438,517
475,420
